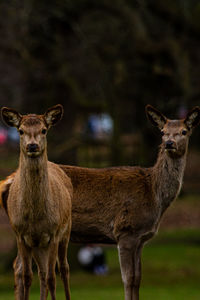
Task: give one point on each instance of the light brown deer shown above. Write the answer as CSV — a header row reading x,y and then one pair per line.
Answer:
x,y
38,206
124,205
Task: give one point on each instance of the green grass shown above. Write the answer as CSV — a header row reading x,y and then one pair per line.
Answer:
x,y
171,270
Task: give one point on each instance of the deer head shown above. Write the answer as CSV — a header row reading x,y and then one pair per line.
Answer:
x,y
175,133
32,128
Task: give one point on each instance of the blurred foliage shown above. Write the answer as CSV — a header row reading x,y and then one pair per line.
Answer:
x,y
97,56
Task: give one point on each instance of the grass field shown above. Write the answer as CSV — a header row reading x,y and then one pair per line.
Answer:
x,y
171,270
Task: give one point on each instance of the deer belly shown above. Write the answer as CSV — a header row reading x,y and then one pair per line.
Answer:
x,y
37,240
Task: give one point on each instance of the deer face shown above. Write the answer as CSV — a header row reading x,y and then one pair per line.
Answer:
x,y
32,128
175,136
32,132
175,133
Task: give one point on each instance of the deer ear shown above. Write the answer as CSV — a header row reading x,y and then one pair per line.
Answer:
x,y
11,117
193,118
156,117
53,114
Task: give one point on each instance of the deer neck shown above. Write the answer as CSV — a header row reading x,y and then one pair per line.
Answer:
x,y
167,177
33,174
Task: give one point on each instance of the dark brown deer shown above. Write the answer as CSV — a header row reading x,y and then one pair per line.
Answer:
x,y
38,206
124,205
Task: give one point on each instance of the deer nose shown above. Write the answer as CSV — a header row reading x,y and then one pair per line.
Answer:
x,y
32,147
169,144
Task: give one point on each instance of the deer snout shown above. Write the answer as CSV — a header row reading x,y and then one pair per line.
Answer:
x,y
169,144
32,147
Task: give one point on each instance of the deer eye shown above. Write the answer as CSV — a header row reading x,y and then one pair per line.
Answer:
x,y
44,131
162,133
184,132
21,132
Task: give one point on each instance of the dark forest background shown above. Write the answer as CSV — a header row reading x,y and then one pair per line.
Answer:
x,y
98,57
107,58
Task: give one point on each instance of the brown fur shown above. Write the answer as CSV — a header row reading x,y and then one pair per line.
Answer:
x,y
124,205
39,210
4,190
31,120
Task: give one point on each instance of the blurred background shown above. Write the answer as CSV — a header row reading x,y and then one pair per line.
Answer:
x,y
104,61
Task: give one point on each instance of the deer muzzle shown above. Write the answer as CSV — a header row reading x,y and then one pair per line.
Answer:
x,y
170,145
33,150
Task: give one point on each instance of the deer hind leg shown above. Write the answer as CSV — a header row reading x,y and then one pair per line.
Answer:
x,y
64,266
25,254
18,273
129,257
41,259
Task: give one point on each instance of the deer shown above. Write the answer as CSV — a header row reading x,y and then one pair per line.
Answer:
x,y
38,206
124,205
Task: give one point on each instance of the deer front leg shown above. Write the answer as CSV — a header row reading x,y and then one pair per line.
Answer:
x,y
137,269
51,279
41,259
130,267
25,254
64,267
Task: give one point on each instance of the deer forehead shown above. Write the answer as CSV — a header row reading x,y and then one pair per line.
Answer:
x,y
32,121
174,126
32,124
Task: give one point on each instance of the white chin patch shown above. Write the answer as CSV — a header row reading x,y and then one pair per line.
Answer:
x,y
33,154
170,150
